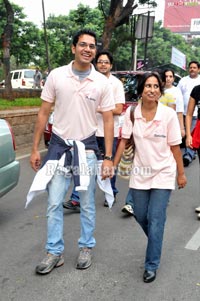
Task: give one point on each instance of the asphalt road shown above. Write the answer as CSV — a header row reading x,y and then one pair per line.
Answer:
x,y
116,272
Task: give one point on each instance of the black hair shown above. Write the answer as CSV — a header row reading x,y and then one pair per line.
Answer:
x,y
194,62
161,74
104,52
169,69
82,32
143,80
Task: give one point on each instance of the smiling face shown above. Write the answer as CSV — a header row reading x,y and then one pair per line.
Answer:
x,y
103,65
151,91
84,51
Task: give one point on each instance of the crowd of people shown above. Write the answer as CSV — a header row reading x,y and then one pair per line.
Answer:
x,y
89,135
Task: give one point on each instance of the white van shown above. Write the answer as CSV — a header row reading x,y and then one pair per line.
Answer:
x,y
22,78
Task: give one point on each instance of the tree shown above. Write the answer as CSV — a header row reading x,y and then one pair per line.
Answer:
x,y
6,45
27,40
117,15
61,29
162,41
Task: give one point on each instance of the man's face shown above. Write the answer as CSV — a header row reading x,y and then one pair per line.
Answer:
x,y
85,50
103,65
193,70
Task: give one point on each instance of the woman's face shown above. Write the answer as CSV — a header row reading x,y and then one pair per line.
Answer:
x,y
169,79
151,91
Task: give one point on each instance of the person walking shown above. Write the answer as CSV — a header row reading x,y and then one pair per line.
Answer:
x,y
157,139
193,140
37,78
186,84
166,99
104,64
73,140
169,77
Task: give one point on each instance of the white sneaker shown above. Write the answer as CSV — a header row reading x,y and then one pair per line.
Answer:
x,y
197,209
128,210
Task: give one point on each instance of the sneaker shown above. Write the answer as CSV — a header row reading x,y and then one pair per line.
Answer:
x,y
197,209
84,259
186,160
198,215
128,210
73,205
49,263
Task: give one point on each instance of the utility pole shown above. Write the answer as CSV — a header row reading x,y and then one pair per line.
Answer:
x,y
146,39
133,43
45,38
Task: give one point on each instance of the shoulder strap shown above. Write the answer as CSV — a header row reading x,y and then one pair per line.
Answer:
x,y
132,114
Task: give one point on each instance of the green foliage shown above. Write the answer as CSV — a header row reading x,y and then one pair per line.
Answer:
x,y
151,3
62,28
28,44
20,102
163,40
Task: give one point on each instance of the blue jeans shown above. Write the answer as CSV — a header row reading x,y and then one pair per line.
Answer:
x,y
129,199
101,144
150,211
190,153
57,190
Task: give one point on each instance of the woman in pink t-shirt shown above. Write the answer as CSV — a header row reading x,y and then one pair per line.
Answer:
x,y
157,138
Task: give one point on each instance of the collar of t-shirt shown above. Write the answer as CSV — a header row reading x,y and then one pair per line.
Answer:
x,y
81,74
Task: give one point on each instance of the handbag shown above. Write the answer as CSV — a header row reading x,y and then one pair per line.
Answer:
x,y
125,164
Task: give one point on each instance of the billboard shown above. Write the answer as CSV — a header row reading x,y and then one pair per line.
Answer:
x,y
178,58
182,16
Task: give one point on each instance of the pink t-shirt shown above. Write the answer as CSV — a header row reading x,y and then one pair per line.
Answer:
x,y
119,97
154,165
76,101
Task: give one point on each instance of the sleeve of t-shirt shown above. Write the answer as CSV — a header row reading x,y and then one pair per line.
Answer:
x,y
179,101
107,98
48,92
195,93
119,95
173,129
127,128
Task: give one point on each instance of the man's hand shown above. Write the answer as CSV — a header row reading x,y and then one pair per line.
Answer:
x,y
35,160
181,181
107,170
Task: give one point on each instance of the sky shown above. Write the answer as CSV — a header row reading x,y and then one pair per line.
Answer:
x,y
33,9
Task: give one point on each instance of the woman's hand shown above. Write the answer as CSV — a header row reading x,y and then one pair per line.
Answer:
x,y
188,141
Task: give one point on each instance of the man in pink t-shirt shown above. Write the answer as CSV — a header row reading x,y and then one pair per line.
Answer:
x,y
76,91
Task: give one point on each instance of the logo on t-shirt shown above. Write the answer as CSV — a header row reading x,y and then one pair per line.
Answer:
x,y
159,135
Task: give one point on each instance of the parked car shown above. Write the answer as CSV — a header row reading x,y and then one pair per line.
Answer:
x,y
22,78
2,84
9,167
48,130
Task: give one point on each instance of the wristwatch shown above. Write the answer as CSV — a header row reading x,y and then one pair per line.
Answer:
x,y
108,158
